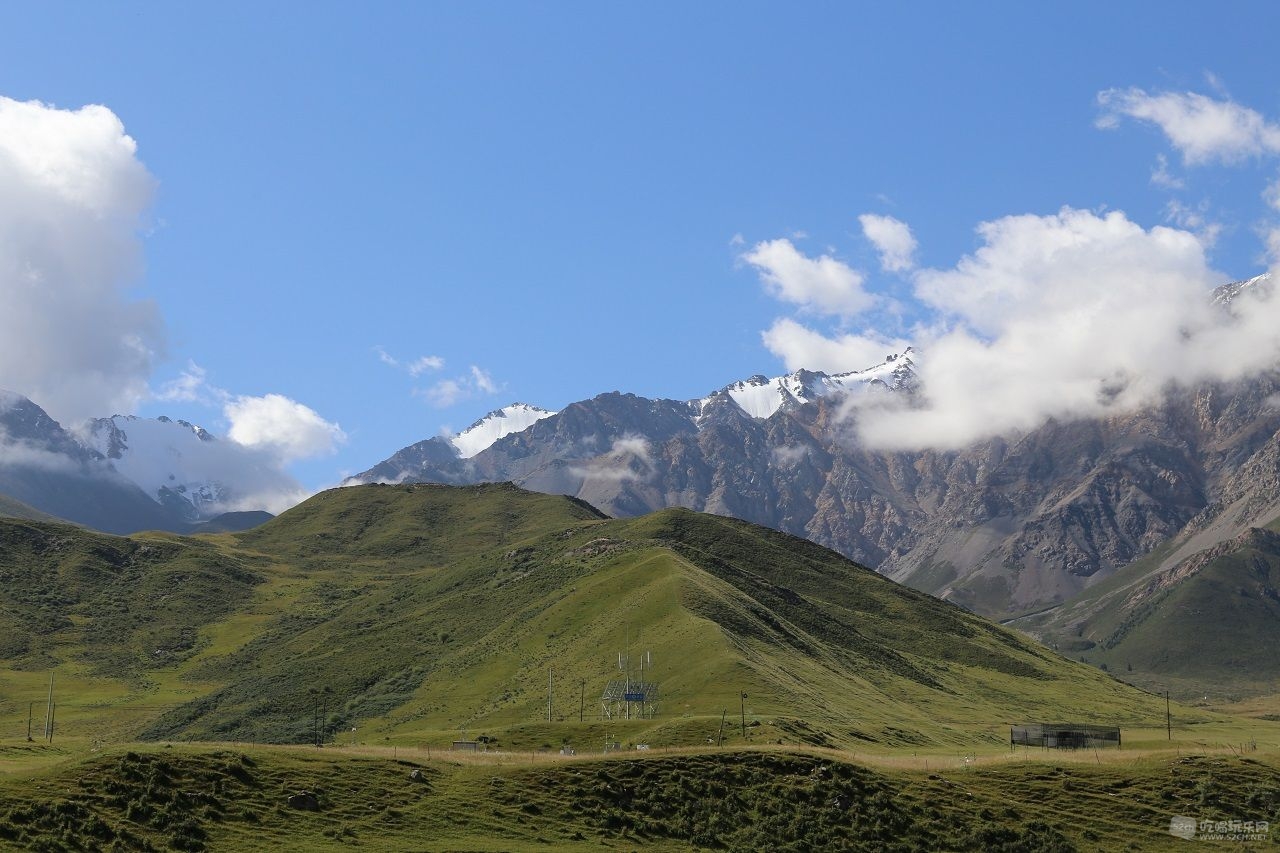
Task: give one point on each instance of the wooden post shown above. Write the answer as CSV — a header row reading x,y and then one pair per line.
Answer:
x,y
1168,720
582,698
48,712
743,708
720,734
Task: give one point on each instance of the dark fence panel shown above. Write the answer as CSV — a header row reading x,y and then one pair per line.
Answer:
x,y
1064,735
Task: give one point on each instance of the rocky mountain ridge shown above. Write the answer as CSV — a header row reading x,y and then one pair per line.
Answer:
x,y
1005,526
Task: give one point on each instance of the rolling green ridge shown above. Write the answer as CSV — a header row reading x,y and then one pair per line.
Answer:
x,y
389,622
412,614
223,799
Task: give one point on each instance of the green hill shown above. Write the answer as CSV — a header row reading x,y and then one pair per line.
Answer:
x,y
1206,626
237,800
411,614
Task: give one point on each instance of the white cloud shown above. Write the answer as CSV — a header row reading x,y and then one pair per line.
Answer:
x,y
823,284
483,381
160,453
787,456
191,386
425,364
1271,239
1271,195
72,200
801,347
283,427
445,393
1201,128
1194,219
892,239
628,460
415,368
1161,177
20,452
1068,316
476,382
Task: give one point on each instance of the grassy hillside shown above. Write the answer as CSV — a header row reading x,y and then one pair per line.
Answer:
x,y
221,799
421,614
1208,626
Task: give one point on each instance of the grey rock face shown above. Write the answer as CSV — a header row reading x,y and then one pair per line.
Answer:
x,y
1006,526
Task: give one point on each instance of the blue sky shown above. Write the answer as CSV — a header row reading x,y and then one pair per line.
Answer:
x,y
548,201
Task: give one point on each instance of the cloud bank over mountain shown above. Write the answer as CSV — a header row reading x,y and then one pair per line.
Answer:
x,y
75,336
1067,315
73,199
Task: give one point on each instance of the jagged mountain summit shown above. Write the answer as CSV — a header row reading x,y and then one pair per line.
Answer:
x,y
45,467
124,473
448,459
762,397
166,458
495,425
1225,294
1005,526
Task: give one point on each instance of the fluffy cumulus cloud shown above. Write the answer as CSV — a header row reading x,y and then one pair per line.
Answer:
x,y
801,347
73,196
823,284
280,426
1068,316
893,240
1201,128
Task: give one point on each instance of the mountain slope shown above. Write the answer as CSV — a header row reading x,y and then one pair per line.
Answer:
x,y
1205,624
10,508
414,610
1004,527
44,466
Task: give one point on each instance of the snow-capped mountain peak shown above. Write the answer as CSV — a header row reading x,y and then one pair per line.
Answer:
x,y
1228,292
761,397
166,458
495,425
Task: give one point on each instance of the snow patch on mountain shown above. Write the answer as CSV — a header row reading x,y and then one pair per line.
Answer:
x,y
185,468
761,397
174,462
497,424
1228,292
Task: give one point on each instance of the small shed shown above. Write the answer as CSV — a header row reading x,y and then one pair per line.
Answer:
x,y
464,745
1064,735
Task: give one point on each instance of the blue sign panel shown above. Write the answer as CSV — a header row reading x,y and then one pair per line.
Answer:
x,y
633,697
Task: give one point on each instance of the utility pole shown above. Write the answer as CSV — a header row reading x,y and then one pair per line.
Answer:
x,y
30,710
743,708
324,715
720,734
52,710
551,683
582,698
48,712
1168,720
